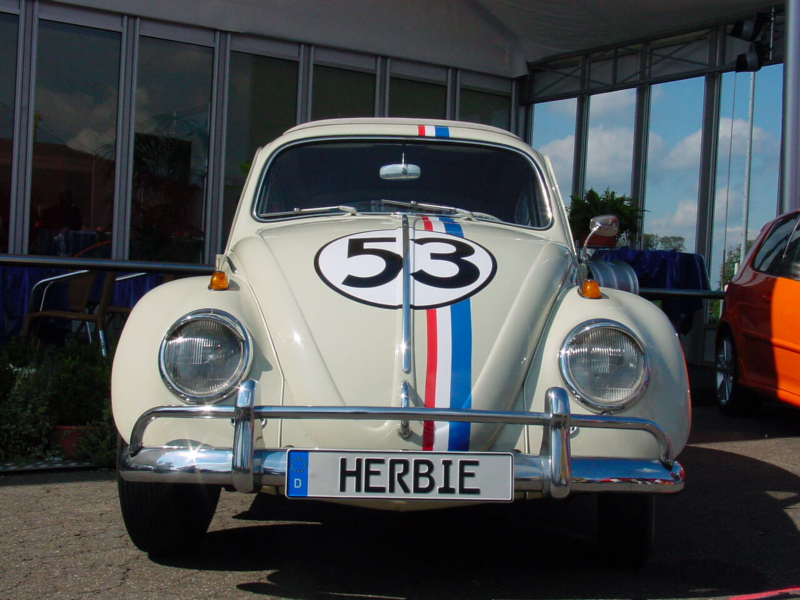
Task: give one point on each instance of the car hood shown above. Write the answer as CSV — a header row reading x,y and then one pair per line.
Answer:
x,y
359,307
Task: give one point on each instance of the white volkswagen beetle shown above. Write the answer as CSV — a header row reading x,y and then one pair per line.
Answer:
x,y
400,320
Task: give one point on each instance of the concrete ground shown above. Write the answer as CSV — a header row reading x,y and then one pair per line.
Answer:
x,y
733,532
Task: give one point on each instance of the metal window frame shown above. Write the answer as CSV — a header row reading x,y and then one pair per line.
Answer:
x,y
132,29
431,74
22,144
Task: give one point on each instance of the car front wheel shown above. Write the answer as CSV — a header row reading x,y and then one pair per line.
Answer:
x,y
732,399
166,518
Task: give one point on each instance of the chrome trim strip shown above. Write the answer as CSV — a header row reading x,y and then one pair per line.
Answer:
x,y
552,473
557,406
531,473
243,439
374,413
406,343
405,400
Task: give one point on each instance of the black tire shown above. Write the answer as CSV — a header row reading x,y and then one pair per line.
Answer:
x,y
732,399
625,528
166,518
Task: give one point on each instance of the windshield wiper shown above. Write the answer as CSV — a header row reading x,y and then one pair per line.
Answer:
x,y
431,207
305,211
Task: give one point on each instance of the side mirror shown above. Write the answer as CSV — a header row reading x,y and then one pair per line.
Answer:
x,y
604,226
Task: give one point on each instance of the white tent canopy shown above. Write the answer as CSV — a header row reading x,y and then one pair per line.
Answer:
x,y
499,37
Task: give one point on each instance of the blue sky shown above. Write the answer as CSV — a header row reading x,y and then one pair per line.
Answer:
x,y
674,153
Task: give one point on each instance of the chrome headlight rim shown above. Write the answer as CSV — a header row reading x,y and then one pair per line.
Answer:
x,y
591,403
235,326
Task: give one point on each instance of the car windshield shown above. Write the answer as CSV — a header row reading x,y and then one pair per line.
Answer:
x,y
347,176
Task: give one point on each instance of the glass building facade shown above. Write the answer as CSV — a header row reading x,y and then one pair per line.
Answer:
x,y
131,139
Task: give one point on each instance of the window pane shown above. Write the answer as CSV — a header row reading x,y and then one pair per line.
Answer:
x,y
8,69
485,108
408,98
262,105
554,135
791,262
75,122
769,255
492,182
734,132
610,143
342,93
673,166
170,154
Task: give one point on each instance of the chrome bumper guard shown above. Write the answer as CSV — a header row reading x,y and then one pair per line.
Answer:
x,y
553,472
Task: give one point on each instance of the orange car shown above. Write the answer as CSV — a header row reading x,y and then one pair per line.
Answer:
x,y
758,336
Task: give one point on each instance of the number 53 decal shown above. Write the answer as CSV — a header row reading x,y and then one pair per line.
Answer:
x,y
368,267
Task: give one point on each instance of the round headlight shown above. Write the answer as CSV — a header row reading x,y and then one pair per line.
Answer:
x,y
204,356
604,365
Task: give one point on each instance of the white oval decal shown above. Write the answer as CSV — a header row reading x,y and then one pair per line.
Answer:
x,y
368,267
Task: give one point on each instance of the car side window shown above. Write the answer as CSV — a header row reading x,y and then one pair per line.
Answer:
x,y
791,262
769,257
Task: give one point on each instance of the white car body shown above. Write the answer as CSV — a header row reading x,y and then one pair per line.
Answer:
x,y
377,318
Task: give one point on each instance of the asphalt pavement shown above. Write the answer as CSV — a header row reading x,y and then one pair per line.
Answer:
x,y
734,532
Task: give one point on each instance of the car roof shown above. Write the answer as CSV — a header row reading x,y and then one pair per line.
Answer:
x,y
389,125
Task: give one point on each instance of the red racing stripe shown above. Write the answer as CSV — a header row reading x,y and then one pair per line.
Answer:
x,y
430,371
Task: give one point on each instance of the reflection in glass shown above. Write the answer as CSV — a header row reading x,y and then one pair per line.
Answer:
x,y
409,98
342,93
8,69
261,106
554,135
729,224
75,120
170,157
486,108
673,166
610,142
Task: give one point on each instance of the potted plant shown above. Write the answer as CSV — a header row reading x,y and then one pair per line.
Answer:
x,y
592,204
78,393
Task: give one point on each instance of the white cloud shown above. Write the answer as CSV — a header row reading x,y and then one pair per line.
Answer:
x,y
560,153
94,142
685,154
564,108
681,221
608,160
613,104
68,117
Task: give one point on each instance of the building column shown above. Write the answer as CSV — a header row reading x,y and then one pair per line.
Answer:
x,y
789,197
24,127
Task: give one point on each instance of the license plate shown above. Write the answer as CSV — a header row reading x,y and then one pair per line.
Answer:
x,y
400,475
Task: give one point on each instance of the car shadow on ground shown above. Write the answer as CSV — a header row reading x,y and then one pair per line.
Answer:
x,y
728,533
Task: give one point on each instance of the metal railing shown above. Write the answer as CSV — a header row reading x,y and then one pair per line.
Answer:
x,y
104,264
136,266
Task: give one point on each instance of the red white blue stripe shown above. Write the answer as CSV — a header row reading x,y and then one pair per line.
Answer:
x,y
433,131
448,372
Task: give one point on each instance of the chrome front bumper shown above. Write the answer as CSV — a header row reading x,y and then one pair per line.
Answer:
x,y
553,472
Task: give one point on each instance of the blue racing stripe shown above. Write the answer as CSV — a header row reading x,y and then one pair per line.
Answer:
x,y
442,132
461,373
461,377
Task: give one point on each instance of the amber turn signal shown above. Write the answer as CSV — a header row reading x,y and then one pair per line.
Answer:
x,y
590,289
219,281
